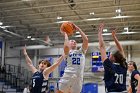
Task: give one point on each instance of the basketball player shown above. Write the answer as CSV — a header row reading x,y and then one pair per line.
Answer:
x,y
71,81
115,66
41,75
135,78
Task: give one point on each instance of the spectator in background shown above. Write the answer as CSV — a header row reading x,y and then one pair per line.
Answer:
x,y
26,89
134,86
3,70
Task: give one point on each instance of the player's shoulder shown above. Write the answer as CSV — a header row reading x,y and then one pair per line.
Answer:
x,y
81,50
135,72
107,62
37,73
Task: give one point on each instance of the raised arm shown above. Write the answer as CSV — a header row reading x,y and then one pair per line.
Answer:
x,y
84,38
119,47
101,43
50,69
66,42
29,61
66,45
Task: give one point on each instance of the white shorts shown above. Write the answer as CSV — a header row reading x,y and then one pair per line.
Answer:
x,y
70,83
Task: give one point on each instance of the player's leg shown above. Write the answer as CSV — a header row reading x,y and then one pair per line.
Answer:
x,y
58,91
63,86
65,83
77,86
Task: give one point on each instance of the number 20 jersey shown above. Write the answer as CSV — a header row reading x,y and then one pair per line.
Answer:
x,y
114,76
76,62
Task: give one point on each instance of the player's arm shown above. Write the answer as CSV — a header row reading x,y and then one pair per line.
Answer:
x,y
129,90
101,43
84,38
137,77
66,45
50,69
29,61
119,46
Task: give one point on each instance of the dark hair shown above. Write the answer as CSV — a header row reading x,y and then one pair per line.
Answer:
x,y
45,61
134,64
119,58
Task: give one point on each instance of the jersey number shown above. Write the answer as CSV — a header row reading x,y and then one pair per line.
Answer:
x,y
76,61
33,82
119,78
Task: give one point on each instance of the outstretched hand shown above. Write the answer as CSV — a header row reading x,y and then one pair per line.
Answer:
x,y
113,33
24,50
101,27
62,32
76,27
114,30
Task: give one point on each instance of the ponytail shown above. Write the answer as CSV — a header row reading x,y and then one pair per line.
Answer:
x,y
120,59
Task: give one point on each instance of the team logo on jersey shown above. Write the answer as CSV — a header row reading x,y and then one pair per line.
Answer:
x,y
43,89
44,84
80,55
73,55
36,77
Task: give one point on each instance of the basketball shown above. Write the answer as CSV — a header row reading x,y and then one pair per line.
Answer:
x,y
68,27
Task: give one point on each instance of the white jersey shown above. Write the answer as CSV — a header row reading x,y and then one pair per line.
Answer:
x,y
75,62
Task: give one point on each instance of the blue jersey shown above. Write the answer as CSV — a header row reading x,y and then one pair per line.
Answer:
x,y
39,84
134,82
114,76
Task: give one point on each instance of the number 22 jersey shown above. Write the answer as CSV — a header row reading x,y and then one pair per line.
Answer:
x,y
76,62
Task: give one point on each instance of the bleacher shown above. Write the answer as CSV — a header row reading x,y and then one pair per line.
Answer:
x,y
13,79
